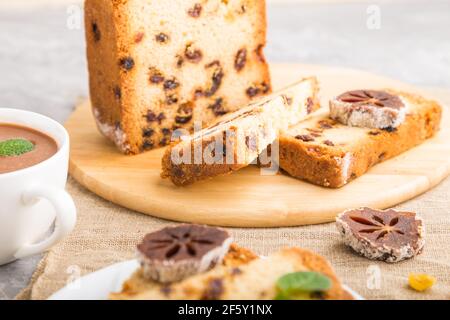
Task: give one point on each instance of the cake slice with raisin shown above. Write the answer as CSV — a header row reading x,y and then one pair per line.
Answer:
x,y
238,138
330,154
157,66
138,284
257,279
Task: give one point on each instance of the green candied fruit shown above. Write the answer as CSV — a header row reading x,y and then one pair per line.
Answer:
x,y
15,147
302,286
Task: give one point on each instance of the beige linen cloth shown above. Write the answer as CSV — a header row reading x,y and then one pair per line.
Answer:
x,y
106,234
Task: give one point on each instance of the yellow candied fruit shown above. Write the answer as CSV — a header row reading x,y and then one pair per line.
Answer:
x,y
421,282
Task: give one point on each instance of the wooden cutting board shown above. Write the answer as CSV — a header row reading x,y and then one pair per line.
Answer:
x,y
245,198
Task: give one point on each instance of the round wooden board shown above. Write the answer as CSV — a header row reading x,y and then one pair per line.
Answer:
x,y
246,198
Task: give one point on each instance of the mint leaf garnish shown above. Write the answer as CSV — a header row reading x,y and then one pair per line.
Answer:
x,y
299,284
15,147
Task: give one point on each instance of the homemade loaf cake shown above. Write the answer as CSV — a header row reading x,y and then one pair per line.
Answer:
x,y
238,138
156,66
254,280
330,154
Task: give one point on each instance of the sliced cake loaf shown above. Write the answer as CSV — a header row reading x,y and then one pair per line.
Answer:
x,y
238,138
327,153
156,66
254,280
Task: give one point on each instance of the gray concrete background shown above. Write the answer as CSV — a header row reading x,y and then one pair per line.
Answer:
x,y
44,69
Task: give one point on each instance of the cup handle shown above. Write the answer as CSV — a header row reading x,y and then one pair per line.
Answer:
x,y
65,220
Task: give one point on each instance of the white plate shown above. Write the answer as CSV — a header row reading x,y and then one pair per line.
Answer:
x,y
98,285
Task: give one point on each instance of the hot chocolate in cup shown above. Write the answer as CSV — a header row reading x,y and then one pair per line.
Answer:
x,y
32,182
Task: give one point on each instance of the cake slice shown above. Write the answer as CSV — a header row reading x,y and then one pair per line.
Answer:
x,y
156,66
254,280
138,283
327,153
238,138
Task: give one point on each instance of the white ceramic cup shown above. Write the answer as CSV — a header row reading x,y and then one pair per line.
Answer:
x,y
32,199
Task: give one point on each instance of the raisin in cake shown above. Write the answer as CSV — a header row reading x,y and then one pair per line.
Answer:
x,y
253,280
156,66
238,138
327,153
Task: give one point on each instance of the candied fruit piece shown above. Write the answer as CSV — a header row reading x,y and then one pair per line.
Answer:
x,y
421,282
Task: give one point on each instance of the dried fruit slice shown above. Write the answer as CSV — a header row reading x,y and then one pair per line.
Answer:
x,y
389,235
368,109
175,253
